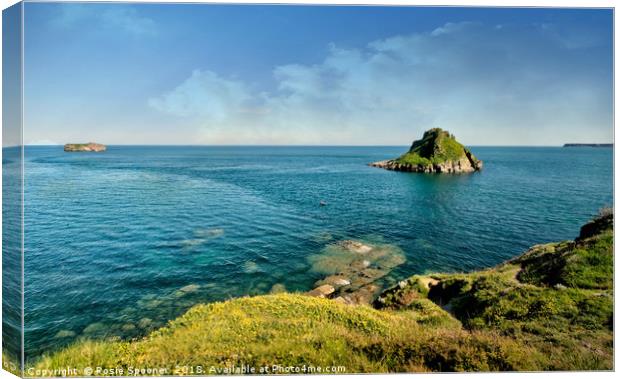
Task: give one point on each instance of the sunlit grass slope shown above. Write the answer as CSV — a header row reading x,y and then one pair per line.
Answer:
x,y
556,298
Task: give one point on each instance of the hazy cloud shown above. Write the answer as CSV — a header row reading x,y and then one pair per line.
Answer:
x,y
117,16
206,95
488,84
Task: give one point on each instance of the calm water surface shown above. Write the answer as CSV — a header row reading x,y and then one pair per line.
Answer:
x,y
118,243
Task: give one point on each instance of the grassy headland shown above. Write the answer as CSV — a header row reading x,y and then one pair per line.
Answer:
x,y
549,309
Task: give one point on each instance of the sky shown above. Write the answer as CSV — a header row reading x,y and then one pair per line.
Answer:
x,y
315,75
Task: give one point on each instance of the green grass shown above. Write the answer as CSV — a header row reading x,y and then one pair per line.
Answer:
x,y
296,330
557,298
436,146
550,309
11,363
414,160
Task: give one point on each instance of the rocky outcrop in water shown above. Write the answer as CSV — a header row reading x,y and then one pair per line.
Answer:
x,y
85,147
437,152
353,269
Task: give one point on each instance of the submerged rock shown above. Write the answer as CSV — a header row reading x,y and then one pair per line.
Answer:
x,y
355,246
209,233
277,288
437,152
190,288
65,334
201,237
352,267
335,281
352,256
251,267
94,328
145,323
185,290
193,242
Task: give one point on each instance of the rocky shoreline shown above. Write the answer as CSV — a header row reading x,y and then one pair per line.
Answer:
x,y
357,268
463,165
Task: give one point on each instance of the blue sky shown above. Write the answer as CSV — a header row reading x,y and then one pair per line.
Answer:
x,y
226,74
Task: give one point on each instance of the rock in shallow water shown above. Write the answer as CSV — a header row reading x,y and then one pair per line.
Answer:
x,y
209,233
277,288
335,281
322,291
251,267
190,288
95,328
65,334
355,246
352,256
144,323
352,268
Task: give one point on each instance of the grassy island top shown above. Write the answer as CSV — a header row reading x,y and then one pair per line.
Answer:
x,y
436,146
549,309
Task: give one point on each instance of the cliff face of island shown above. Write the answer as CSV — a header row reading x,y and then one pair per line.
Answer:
x,y
85,147
437,152
548,309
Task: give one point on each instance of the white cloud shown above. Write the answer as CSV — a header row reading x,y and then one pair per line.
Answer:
x,y
206,95
488,85
128,19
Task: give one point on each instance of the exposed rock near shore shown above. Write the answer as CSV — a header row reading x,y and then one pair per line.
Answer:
x,y
352,269
437,152
86,147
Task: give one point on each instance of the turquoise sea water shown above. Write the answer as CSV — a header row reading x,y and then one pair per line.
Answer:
x,y
120,242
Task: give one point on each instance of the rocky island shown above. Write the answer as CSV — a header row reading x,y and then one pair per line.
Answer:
x,y
437,152
91,147
588,145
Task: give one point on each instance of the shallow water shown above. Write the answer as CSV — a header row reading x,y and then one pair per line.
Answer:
x,y
117,243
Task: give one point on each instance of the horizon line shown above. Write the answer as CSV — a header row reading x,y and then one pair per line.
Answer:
x,y
312,145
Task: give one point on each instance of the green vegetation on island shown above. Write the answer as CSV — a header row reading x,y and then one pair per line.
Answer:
x,y
437,151
548,309
90,147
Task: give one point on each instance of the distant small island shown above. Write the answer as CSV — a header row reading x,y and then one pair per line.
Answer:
x,y
91,147
437,152
588,145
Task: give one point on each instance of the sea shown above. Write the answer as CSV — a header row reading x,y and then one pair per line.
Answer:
x,y
118,243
